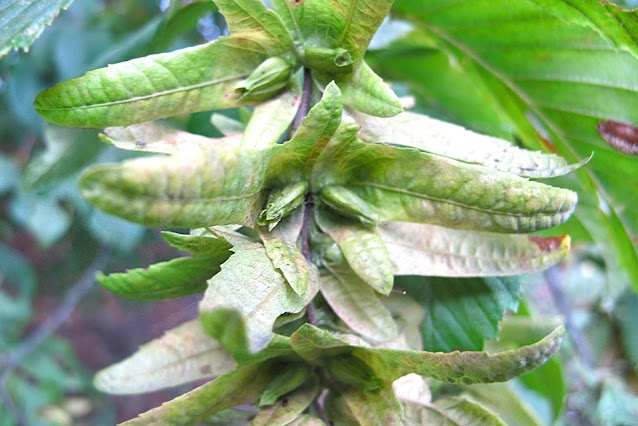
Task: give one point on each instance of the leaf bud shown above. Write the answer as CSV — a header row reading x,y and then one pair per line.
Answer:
x,y
267,80
282,202
330,61
347,203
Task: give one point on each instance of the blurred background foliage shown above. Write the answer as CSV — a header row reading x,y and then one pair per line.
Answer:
x,y
50,239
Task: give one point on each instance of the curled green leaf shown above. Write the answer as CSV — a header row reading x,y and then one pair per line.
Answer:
x,y
266,81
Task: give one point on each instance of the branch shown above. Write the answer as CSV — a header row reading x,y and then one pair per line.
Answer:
x,y
50,326
577,337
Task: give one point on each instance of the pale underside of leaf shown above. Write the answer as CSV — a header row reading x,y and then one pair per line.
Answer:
x,y
155,138
197,187
249,284
194,79
270,120
363,248
429,250
184,354
241,386
452,141
455,367
357,304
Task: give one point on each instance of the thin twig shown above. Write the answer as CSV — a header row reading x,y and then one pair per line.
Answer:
x,y
304,107
51,325
577,337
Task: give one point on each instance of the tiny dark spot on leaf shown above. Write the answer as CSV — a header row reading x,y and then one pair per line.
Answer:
x,y
206,369
622,136
140,144
547,244
284,403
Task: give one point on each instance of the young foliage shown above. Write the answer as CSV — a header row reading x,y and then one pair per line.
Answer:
x,y
303,218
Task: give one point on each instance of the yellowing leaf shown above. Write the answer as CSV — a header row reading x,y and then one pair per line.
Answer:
x,y
452,141
184,354
456,253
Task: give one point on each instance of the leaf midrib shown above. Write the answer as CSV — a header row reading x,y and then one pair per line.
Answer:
x,y
151,96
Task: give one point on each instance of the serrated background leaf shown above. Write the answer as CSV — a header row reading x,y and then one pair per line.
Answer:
x,y
529,65
22,22
461,313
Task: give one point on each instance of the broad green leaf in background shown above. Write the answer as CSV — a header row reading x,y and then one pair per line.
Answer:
x,y
363,248
627,317
356,303
448,140
242,386
175,278
194,79
457,253
318,346
43,217
183,354
22,22
461,313
538,67
198,186
250,285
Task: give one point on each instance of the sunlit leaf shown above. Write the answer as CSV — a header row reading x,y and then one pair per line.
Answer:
x,y
184,354
250,285
456,253
175,278
365,91
155,86
452,141
343,23
252,18
357,304
363,248
287,258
